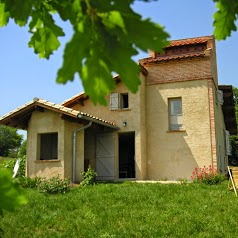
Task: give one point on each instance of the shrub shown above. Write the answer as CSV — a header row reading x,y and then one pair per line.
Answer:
x,y
22,150
54,185
10,163
27,182
89,177
207,176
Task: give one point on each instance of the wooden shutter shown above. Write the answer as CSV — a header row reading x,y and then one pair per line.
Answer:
x,y
114,101
220,97
228,146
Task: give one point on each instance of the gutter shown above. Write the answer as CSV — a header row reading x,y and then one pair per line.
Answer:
x,y
74,148
97,121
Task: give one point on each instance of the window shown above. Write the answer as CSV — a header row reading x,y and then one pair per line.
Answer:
x,y
227,144
119,101
49,146
175,114
124,100
220,99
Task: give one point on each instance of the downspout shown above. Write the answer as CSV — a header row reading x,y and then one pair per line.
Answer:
x,y
74,148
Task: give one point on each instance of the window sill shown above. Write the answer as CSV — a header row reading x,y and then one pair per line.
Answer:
x,y
121,109
47,161
175,131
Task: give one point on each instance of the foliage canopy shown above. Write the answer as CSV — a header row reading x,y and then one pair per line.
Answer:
x,y
10,193
9,139
105,37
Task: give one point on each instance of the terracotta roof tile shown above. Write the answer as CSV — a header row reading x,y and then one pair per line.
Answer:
x,y
82,95
189,41
15,110
75,97
52,106
172,57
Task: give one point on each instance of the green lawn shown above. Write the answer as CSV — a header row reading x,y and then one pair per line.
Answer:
x,y
127,210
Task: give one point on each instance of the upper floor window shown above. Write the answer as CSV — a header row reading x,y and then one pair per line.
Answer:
x,y
119,101
220,99
175,114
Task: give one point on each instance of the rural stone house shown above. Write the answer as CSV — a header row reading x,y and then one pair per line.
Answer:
x,y
178,120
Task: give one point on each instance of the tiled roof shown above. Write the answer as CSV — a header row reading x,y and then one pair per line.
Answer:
x,y
73,98
172,57
182,49
190,41
30,106
82,96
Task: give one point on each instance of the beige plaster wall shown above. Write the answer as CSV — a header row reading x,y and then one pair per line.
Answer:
x,y
69,128
174,155
44,122
49,122
135,118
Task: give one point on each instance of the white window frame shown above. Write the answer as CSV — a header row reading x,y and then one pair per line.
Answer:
x,y
175,117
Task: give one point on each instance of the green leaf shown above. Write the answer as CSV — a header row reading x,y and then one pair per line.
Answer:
x,y
76,51
155,36
4,16
19,10
97,81
45,34
104,43
11,195
224,18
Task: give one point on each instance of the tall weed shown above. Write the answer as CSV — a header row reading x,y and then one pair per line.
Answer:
x,y
207,175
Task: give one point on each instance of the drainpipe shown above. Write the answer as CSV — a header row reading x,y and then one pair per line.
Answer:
x,y
74,148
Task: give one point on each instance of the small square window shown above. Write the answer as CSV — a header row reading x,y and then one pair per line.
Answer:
x,y
49,146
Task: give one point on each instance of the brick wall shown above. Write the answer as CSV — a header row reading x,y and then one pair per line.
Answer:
x,y
179,70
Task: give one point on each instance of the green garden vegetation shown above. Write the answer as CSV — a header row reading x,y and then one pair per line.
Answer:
x,y
127,210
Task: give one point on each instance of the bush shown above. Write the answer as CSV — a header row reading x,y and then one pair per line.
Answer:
x,y
22,150
10,163
89,177
54,185
207,176
27,182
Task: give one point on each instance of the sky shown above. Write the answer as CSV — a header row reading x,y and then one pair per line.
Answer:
x,y
24,76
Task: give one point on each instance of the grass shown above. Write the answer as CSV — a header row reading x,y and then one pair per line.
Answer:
x,y
5,158
127,210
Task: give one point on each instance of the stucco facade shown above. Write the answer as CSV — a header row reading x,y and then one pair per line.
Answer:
x,y
133,116
50,122
142,136
174,154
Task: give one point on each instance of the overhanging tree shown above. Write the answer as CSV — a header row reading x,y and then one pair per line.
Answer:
x,y
9,139
105,37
